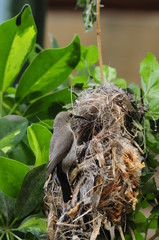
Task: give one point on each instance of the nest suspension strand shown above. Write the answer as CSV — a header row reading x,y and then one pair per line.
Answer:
x,y
105,181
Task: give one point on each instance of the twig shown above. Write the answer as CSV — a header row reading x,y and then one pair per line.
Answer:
x,y
132,233
67,225
89,210
99,44
121,232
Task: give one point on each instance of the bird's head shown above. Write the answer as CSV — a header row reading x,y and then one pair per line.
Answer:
x,y
64,118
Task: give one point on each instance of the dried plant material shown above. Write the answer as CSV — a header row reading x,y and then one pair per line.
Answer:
x,y
105,181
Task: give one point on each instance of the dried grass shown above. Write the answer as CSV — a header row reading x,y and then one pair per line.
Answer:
x,y
105,181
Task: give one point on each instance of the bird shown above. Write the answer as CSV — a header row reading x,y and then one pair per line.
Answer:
x,y
62,152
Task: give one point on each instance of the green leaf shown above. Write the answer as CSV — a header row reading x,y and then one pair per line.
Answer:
x,y
89,56
153,224
31,192
34,224
140,218
78,80
109,73
144,203
149,186
153,109
48,70
138,235
151,142
53,41
152,161
18,36
12,130
22,153
48,123
149,70
150,196
136,91
12,174
155,210
61,97
39,139
120,82
7,205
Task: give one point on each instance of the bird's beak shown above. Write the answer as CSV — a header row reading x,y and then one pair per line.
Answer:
x,y
78,116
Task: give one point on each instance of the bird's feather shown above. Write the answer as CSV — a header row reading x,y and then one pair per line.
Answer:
x,y
60,145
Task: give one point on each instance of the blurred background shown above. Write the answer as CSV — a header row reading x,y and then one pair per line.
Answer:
x,y
130,29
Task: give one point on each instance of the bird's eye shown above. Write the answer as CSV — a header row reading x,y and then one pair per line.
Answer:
x,y
71,115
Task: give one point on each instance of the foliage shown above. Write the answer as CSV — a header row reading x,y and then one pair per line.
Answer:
x,y
29,100
89,13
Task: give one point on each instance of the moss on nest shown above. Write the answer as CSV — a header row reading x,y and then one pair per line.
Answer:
x,y
105,181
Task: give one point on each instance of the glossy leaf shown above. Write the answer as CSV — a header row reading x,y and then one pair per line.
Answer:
x,y
61,97
31,192
12,174
22,153
39,139
34,224
7,205
48,70
18,36
12,130
48,123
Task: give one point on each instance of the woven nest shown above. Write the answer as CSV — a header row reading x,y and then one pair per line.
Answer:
x,y
105,181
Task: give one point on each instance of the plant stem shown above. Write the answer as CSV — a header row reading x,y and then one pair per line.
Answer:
x,y
7,236
15,236
1,237
132,233
1,103
99,44
1,218
15,219
13,108
121,233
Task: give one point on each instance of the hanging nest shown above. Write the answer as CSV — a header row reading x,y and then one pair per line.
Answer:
x,y
105,181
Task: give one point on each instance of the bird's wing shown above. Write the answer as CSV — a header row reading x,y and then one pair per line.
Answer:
x,y
59,149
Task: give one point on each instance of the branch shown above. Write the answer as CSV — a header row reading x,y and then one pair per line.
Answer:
x,y
121,232
99,44
132,233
